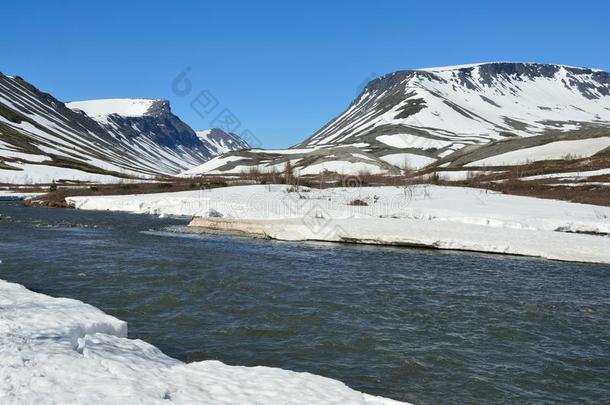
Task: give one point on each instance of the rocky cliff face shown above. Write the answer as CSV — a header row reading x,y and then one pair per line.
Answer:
x,y
149,128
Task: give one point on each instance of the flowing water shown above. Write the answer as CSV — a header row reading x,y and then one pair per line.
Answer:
x,y
415,325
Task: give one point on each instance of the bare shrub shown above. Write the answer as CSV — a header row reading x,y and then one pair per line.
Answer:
x,y
288,173
359,203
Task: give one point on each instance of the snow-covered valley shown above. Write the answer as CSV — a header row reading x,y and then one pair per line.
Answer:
x,y
522,123
308,203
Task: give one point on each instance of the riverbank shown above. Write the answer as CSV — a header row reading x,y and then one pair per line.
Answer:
x,y
456,218
10,195
434,235
59,350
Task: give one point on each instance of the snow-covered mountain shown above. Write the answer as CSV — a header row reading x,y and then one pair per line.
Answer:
x,y
43,139
475,115
218,141
148,126
444,109
418,117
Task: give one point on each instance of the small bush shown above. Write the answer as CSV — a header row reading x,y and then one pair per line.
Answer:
x,y
570,156
359,203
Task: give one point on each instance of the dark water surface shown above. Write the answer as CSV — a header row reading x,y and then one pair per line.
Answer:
x,y
415,325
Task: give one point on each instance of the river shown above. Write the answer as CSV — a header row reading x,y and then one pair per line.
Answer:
x,y
422,326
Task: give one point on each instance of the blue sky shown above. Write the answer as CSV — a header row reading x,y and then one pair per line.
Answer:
x,y
283,69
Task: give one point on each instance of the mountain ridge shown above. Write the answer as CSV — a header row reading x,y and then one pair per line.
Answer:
x,y
414,119
409,92
43,140
418,117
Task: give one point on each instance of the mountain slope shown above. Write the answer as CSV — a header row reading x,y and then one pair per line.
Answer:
x,y
150,130
42,139
443,109
415,118
218,141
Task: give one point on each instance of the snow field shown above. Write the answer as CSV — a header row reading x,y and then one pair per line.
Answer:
x,y
441,217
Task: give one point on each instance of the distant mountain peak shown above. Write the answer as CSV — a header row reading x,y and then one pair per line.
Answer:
x,y
218,141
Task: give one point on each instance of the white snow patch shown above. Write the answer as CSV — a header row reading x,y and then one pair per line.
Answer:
x,y
408,160
210,166
341,167
581,148
12,194
44,174
411,141
459,175
125,107
569,175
